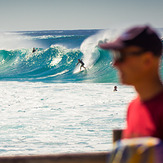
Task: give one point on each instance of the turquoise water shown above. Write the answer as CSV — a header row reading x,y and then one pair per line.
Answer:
x,y
48,107
56,56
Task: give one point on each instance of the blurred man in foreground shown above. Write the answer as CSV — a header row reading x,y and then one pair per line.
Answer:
x,y
137,56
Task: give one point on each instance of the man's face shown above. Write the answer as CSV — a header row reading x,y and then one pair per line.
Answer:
x,y
130,66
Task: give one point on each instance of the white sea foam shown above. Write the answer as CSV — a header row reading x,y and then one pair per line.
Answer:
x,y
46,118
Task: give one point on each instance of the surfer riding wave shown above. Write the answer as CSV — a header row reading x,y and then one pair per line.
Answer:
x,y
82,64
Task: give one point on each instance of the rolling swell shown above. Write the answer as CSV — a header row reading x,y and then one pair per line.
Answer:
x,y
54,64
55,59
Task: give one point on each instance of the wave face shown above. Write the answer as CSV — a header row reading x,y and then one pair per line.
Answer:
x,y
56,56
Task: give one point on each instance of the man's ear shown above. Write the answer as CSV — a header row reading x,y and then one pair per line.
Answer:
x,y
148,58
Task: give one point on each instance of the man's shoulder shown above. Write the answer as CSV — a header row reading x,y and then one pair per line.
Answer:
x,y
134,101
153,103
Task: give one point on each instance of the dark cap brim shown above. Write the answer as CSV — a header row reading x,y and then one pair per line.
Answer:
x,y
116,45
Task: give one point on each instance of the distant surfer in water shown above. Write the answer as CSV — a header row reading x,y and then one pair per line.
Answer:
x,y
33,50
82,64
115,88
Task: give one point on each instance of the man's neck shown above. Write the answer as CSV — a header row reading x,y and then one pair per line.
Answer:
x,y
147,90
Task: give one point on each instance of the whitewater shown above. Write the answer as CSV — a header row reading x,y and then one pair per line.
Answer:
x,y
46,105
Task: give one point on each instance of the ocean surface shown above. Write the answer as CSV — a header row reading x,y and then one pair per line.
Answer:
x,y
47,106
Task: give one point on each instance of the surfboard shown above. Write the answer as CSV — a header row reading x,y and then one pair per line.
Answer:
x,y
85,70
80,71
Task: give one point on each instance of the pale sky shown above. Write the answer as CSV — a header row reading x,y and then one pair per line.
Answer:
x,y
78,14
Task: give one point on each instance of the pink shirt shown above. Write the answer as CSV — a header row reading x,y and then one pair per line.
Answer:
x,y
145,118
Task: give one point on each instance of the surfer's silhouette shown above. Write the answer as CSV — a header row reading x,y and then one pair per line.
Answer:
x,y
33,50
115,88
82,64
